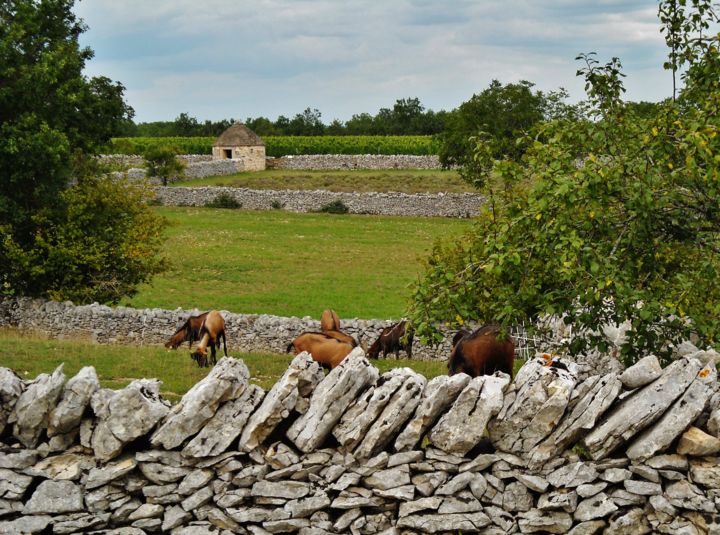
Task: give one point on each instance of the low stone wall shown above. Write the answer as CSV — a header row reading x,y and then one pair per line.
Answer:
x,y
354,161
360,452
391,203
124,325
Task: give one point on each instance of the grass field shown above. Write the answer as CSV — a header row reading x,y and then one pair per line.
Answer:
x,y
402,180
119,365
288,264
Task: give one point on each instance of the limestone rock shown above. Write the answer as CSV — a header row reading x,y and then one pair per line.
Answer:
x,y
640,410
634,522
573,475
125,415
598,506
12,485
461,428
221,430
75,399
434,523
534,405
32,409
55,497
331,399
11,387
26,524
67,466
227,381
439,394
679,416
643,372
536,521
401,389
291,490
697,442
110,472
600,393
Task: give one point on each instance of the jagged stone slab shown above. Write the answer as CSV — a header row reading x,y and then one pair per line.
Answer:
x,y
434,523
534,405
11,387
227,381
642,373
462,427
66,466
641,409
32,409
678,417
400,406
221,430
697,442
98,477
537,521
125,415
600,393
12,485
55,497
331,399
296,384
74,401
437,397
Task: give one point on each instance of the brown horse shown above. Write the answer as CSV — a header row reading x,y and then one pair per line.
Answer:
x,y
327,351
211,331
481,353
391,341
189,332
329,320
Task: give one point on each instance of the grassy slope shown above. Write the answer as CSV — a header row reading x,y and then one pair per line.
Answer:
x,y
288,264
403,180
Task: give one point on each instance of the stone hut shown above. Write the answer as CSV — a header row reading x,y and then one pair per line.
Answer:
x,y
240,143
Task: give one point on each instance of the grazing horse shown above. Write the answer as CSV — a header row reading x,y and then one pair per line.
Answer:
x,y
329,320
211,331
391,341
327,351
188,332
481,353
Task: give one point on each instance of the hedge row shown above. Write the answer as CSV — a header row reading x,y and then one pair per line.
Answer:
x,y
276,146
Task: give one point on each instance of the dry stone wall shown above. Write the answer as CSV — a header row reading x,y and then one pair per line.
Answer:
x,y
353,161
124,325
360,452
391,203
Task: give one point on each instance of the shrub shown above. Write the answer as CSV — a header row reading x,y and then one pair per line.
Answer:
x,y
335,207
224,200
277,205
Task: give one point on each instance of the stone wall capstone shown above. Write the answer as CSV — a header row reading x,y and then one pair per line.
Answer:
x,y
305,465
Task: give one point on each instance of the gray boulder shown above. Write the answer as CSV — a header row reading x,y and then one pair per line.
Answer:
x,y
75,399
643,372
227,381
461,428
125,415
11,386
331,399
291,390
55,497
640,410
533,405
32,410
437,397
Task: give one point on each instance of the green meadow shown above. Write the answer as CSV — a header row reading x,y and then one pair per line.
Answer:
x,y
288,264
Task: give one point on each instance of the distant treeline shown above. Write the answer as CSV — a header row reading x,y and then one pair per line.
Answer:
x,y
407,117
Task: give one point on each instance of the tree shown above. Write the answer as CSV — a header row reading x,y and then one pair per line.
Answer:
x,y
499,115
603,220
162,162
51,118
307,123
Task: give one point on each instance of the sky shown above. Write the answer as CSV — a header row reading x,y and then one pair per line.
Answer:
x,y
222,59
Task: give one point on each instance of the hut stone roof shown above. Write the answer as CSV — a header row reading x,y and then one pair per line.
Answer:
x,y
238,135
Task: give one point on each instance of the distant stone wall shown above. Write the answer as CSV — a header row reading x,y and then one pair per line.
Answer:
x,y
123,325
360,452
390,203
355,161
